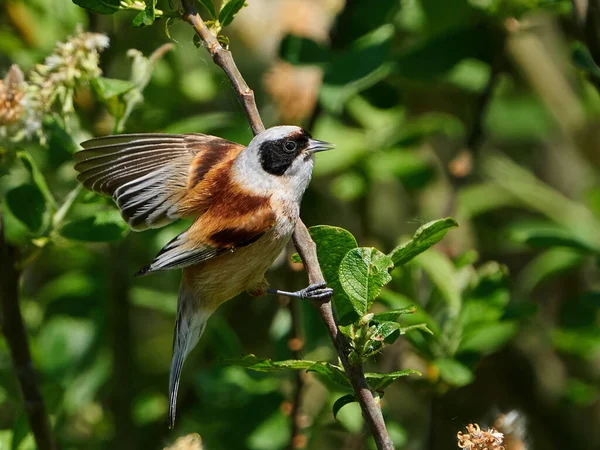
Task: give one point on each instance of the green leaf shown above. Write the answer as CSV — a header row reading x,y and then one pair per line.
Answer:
x,y
545,235
62,343
547,265
107,88
100,6
441,53
453,372
28,204
332,245
208,4
228,11
425,237
365,63
363,272
441,272
147,16
328,371
379,381
103,227
394,314
37,177
538,196
341,402
488,337
300,50
386,332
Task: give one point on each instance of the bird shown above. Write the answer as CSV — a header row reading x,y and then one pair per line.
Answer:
x,y
245,202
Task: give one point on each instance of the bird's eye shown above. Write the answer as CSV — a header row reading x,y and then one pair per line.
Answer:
x,y
290,146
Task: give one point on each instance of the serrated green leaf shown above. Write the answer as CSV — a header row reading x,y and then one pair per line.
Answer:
x,y
362,273
393,314
425,237
103,227
100,6
379,381
328,371
229,10
386,332
454,372
332,245
28,204
144,18
341,402
208,4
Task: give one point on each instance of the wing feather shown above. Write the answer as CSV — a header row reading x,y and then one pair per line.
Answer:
x,y
149,175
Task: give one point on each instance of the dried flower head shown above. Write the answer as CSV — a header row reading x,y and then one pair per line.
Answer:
x,y
12,91
50,87
190,442
478,439
295,89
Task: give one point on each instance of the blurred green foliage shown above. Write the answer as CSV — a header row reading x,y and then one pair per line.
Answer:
x,y
483,110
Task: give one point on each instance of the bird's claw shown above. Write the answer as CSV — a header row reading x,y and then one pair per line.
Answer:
x,y
317,291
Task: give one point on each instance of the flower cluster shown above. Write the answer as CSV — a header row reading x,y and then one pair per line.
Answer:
x,y
24,104
478,439
12,91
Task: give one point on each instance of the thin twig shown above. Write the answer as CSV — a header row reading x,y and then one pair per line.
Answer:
x,y
224,60
302,240
16,337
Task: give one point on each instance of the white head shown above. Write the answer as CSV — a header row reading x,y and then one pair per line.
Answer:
x,y
281,155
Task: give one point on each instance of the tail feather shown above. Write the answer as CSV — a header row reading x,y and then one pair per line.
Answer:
x,y
189,326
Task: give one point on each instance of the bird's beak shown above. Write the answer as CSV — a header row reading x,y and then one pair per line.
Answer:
x,y
315,146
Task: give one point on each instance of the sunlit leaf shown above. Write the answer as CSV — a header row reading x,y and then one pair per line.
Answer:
x,y
487,337
380,381
228,11
341,402
544,235
327,370
393,314
102,227
454,372
441,272
426,236
363,272
332,245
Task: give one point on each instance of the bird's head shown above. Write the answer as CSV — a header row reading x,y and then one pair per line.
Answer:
x,y
283,152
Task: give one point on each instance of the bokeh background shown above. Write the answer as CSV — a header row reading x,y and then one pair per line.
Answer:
x,y
483,110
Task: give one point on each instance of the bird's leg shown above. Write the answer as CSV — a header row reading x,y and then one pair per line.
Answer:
x,y
317,291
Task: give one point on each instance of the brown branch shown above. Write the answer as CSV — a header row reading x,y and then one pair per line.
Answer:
x,y
16,337
302,240
224,60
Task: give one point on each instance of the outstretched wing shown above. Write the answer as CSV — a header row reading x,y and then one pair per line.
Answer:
x,y
150,175
213,234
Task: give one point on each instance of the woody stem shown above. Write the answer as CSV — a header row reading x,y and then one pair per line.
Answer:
x,y
302,240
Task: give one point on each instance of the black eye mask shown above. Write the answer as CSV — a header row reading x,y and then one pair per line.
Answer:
x,y
276,157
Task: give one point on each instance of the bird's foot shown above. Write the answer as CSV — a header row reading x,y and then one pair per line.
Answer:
x,y
317,291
